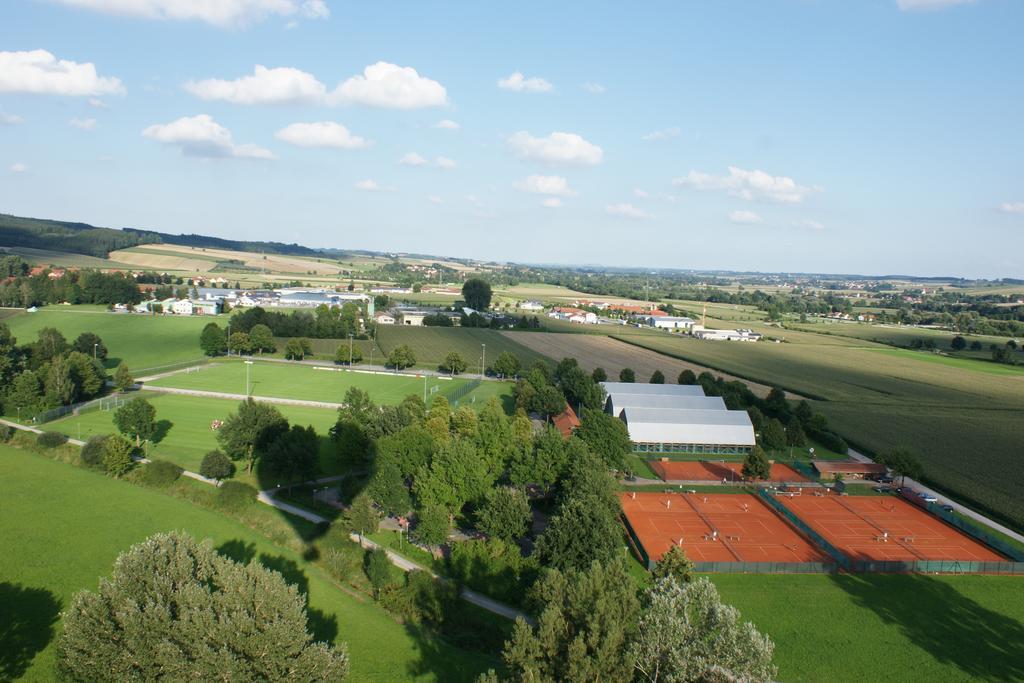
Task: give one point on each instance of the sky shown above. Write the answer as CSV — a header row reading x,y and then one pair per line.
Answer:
x,y
867,136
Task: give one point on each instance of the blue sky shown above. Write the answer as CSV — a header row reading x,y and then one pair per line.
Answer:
x,y
875,136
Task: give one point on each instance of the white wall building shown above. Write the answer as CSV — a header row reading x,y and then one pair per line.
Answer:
x,y
668,322
743,335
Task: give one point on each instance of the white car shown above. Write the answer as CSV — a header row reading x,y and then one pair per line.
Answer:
x,y
928,498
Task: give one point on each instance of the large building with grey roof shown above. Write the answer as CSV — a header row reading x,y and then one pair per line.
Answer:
x,y
667,419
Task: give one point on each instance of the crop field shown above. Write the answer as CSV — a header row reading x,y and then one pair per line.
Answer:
x,y
432,344
68,525
896,335
173,256
139,340
184,434
731,312
312,383
967,426
612,354
873,627
63,259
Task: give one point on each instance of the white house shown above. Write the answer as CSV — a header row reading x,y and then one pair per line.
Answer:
x,y
574,315
384,318
531,306
183,307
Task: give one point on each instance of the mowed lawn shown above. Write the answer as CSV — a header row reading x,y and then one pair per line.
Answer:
x,y
311,383
874,627
184,433
63,527
142,341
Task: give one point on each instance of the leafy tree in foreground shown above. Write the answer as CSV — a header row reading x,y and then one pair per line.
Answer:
x,y
773,435
362,516
627,375
674,564
756,465
401,357
216,465
91,345
174,609
506,365
297,348
136,418
453,363
348,354
378,569
585,620
477,293
432,525
212,340
505,513
249,431
606,436
583,531
262,339
123,379
686,634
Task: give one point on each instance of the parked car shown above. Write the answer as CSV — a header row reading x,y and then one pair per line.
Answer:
x,y
947,507
883,479
883,489
928,498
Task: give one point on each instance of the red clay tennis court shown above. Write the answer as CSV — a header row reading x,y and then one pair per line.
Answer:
x,y
884,528
717,471
715,527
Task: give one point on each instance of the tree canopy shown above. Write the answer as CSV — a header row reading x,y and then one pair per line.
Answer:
x,y
477,293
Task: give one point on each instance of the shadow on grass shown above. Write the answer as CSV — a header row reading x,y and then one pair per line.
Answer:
x,y
950,626
161,431
27,620
324,627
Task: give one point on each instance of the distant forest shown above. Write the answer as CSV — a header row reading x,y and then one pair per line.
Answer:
x,y
82,238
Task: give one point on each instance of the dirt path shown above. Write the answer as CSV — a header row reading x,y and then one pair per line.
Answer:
x,y
594,351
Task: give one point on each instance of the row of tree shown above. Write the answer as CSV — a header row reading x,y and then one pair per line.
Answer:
x,y
75,287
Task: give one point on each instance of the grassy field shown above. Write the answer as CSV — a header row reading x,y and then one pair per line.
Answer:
x,y
306,382
874,627
63,259
139,340
68,532
966,425
895,335
968,364
184,435
432,344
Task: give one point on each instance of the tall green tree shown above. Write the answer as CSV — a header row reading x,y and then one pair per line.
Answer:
x,y
506,365
627,375
453,363
903,462
599,375
297,348
294,455
262,339
686,633
505,514
117,455
59,385
26,393
457,475
477,293
657,377
687,376
606,436
123,379
674,564
362,516
401,357
247,432
50,343
173,609
756,465
212,340
433,522
773,435
585,620
136,418
91,345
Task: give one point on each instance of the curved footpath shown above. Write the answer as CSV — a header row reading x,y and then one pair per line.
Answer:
x,y
267,498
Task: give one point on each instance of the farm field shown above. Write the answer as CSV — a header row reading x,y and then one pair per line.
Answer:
x,y
165,256
69,531
872,627
139,340
723,312
312,383
63,259
967,426
432,344
613,354
184,434
969,364
893,334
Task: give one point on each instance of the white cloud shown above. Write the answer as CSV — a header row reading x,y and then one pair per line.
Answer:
x,y
808,224
321,134
626,210
434,199
447,124
593,88
392,87
83,124
40,73
551,203
911,5
557,148
98,103
18,167
664,134
222,13
413,159
281,85
641,194
744,217
9,119
554,185
519,83
201,136
444,162
1012,207
368,185
748,185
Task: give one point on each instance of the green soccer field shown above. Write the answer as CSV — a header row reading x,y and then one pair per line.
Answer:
x,y
184,433
141,341
310,383
63,527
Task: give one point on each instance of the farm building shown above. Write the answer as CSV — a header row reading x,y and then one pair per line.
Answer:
x,y
850,470
670,322
384,318
574,315
531,306
678,418
701,332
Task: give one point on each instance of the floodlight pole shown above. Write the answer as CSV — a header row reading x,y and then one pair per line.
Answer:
x,y
424,389
483,356
350,350
248,366
94,346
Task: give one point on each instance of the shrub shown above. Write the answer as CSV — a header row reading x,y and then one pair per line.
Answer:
x,y
6,433
161,473
216,465
117,455
51,439
341,564
234,495
93,451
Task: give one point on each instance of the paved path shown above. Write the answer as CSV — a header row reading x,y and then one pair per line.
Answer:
x,y
266,497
